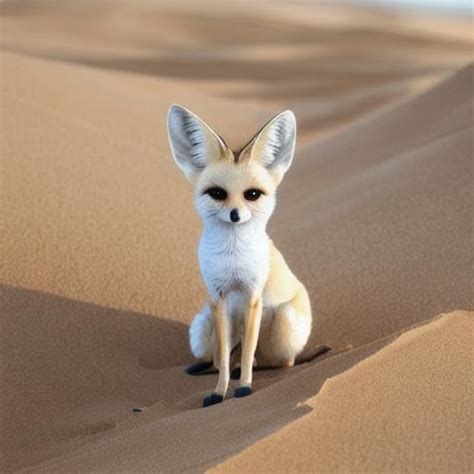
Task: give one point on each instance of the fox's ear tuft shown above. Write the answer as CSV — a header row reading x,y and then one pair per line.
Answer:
x,y
274,144
193,143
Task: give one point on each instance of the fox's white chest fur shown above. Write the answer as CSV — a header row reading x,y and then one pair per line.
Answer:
x,y
234,258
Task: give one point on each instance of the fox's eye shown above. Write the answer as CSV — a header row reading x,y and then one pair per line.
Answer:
x,y
216,193
252,194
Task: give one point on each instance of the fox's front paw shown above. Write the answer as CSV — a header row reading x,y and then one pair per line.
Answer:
x,y
240,392
212,399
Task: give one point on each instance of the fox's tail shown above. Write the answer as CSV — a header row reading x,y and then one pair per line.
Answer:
x,y
200,335
311,353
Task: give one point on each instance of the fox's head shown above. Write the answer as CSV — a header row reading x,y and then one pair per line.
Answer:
x,y
234,188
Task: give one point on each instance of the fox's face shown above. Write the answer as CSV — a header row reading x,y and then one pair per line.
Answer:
x,y
232,188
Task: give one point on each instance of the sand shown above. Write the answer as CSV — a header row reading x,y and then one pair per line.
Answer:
x,y
98,269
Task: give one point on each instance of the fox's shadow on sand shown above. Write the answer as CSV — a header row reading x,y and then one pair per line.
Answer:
x,y
63,361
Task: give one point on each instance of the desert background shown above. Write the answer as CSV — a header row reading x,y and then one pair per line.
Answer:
x,y
98,235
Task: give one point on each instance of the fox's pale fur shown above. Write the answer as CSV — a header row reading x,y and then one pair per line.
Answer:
x,y
254,298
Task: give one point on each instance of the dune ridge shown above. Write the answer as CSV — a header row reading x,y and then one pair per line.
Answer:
x,y
98,271
440,433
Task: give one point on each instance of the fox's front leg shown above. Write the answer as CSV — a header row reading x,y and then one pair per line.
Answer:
x,y
222,329
253,319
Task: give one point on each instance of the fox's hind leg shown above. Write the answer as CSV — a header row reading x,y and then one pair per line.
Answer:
x,y
284,332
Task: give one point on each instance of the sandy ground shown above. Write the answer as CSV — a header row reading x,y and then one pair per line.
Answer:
x,y
98,268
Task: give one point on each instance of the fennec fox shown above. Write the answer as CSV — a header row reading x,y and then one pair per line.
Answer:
x,y
255,301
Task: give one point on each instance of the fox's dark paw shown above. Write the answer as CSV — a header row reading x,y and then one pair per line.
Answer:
x,y
240,392
198,368
212,399
235,374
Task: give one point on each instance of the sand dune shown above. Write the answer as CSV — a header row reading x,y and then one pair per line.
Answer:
x,y
361,415
98,236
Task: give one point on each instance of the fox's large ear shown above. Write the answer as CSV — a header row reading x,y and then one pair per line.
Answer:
x,y
274,144
193,143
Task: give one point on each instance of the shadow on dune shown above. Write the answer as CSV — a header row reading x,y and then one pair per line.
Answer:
x,y
71,374
59,356
73,371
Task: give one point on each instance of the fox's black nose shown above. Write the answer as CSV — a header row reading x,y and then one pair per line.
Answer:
x,y
234,215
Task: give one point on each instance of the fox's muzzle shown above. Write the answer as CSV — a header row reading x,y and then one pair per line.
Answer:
x,y
235,215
